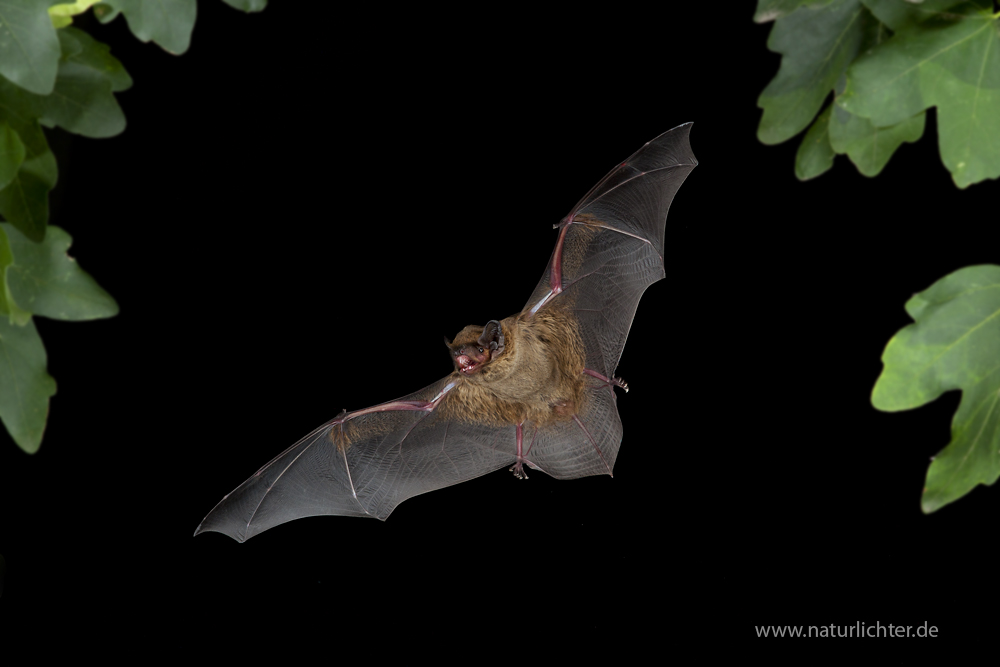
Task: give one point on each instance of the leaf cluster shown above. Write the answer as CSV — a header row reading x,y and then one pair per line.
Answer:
x,y
55,75
885,62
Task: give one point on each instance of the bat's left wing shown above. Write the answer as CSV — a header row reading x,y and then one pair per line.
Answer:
x,y
609,250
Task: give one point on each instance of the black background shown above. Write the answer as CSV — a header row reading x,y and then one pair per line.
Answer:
x,y
303,205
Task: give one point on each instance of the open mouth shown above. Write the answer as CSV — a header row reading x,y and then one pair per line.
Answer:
x,y
466,365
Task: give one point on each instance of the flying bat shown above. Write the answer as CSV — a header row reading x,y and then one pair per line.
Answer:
x,y
534,390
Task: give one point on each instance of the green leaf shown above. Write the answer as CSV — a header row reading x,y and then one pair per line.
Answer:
x,y
81,48
29,50
815,155
25,201
62,15
20,110
248,5
12,153
899,14
83,103
953,344
60,21
817,44
167,22
25,386
769,10
105,13
951,61
870,147
44,280
8,306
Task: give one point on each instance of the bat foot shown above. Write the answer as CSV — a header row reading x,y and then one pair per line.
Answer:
x,y
616,382
518,471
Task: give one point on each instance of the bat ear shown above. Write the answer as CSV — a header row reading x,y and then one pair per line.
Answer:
x,y
447,342
492,336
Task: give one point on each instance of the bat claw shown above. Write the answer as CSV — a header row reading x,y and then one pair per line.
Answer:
x,y
614,381
518,471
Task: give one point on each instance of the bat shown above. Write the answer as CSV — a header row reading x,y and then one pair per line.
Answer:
x,y
534,390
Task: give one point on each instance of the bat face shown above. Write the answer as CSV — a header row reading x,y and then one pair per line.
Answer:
x,y
474,347
535,389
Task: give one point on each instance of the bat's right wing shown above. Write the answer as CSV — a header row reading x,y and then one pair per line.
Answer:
x,y
364,463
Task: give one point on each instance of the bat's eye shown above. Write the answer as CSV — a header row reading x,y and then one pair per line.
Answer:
x,y
480,350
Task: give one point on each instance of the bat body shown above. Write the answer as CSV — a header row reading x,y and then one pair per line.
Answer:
x,y
534,390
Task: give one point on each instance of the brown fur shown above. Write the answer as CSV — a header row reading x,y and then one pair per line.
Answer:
x,y
538,377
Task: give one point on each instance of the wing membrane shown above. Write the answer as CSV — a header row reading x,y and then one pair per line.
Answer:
x,y
393,455
611,246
